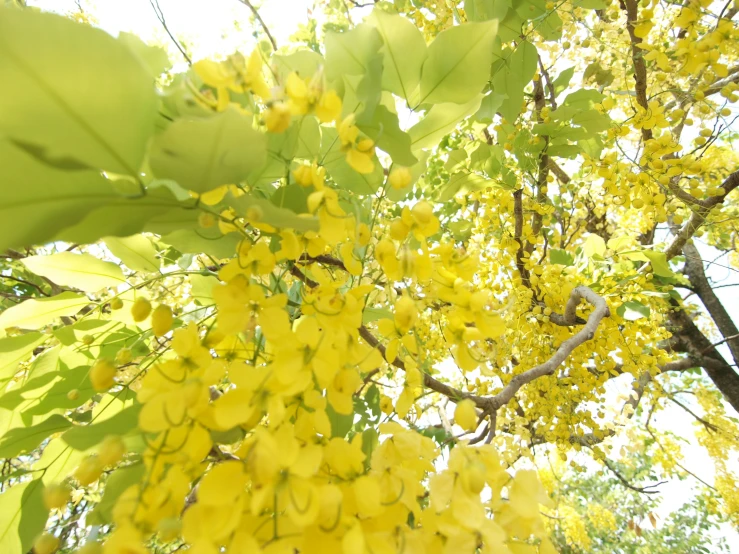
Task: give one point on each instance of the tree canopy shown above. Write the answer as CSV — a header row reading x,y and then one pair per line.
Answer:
x,y
378,288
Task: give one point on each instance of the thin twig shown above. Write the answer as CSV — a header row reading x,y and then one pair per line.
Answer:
x,y
160,17
261,22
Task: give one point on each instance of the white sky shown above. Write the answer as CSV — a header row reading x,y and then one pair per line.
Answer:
x,y
213,28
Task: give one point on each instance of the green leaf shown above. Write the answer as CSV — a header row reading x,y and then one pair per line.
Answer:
x,y
22,516
404,51
385,130
489,107
58,461
660,264
83,437
202,154
56,397
370,441
74,93
154,58
199,241
158,211
34,314
439,121
460,181
303,62
632,310
32,211
458,63
482,10
309,139
373,314
14,350
594,246
550,28
349,53
281,218
116,484
294,197
563,80
561,257
82,271
372,398
512,78
136,252
201,289
23,440
340,423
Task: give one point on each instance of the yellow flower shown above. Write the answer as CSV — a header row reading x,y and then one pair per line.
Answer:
x,y
400,177
465,415
89,470
161,320
277,117
297,94
56,496
111,450
102,375
141,309
329,107
358,155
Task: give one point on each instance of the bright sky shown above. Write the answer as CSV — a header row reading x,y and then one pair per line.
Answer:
x,y
213,28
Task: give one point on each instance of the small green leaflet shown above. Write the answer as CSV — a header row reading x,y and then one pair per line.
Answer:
x,y
660,264
561,257
632,310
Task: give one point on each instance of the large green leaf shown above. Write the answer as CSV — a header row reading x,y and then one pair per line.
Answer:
x,y
202,154
81,271
404,52
23,440
482,10
158,211
14,350
83,437
303,62
57,397
349,53
385,130
192,241
58,461
439,121
72,94
136,252
22,516
35,313
512,78
458,63
32,211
